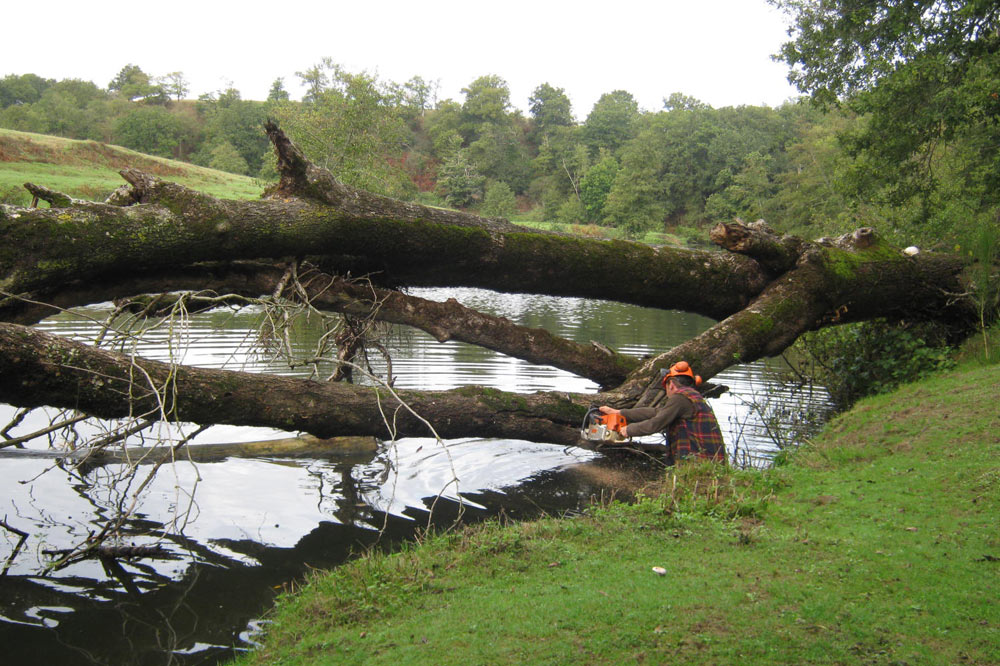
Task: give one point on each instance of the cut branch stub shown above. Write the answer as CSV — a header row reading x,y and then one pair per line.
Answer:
x,y
298,176
775,253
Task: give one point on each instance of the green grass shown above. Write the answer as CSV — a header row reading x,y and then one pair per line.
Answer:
x,y
597,231
876,544
89,170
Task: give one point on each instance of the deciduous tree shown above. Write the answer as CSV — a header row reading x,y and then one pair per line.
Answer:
x,y
487,102
176,85
550,108
611,122
133,84
926,73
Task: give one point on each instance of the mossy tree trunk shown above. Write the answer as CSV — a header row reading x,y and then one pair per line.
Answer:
x,y
154,236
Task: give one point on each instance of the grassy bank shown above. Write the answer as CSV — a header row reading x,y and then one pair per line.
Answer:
x,y
89,170
876,544
684,237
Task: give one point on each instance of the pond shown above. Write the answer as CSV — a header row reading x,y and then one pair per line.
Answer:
x,y
230,535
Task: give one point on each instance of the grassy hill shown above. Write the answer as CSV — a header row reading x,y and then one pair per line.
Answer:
x,y
876,544
89,170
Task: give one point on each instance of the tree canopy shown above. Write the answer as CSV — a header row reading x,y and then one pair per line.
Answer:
x,y
907,145
926,75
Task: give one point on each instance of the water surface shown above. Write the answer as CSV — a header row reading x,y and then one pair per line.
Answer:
x,y
233,533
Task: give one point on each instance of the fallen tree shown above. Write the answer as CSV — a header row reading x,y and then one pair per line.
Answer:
x,y
153,236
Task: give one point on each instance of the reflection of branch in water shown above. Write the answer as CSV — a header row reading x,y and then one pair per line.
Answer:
x,y
113,527
343,493
13,555
123,333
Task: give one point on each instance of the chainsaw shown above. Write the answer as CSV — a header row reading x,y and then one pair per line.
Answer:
x,y
602,428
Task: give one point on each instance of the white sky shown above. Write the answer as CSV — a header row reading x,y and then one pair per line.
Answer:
x,y
715,50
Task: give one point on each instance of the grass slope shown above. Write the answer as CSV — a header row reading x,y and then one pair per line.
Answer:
x,y
876,544
89,170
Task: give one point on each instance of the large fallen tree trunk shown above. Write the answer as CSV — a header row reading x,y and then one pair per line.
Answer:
x,y
155,236
40,369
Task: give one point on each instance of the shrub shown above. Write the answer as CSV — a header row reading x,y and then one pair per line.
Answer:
x,y
857,360
499,200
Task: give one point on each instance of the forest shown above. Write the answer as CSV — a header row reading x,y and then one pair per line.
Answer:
x,y
914,158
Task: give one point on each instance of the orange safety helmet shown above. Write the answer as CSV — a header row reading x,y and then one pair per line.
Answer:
x,y
677,369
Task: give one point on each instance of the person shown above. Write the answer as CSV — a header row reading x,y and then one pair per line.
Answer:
x,y
690,423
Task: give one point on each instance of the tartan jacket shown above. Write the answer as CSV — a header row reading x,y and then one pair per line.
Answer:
x,y
699,435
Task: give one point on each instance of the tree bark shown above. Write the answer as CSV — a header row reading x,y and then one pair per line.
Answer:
x,y
38,369
154,236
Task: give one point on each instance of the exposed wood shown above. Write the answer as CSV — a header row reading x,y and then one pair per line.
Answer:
x,y
757,240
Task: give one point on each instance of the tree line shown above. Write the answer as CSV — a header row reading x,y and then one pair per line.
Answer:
x,y
909,149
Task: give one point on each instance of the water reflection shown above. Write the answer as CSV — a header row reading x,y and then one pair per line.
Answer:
x,y
232,533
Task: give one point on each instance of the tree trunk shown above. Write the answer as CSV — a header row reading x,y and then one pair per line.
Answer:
x,y
37,369
155,236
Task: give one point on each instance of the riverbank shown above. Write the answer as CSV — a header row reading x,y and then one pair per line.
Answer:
x,y
876,543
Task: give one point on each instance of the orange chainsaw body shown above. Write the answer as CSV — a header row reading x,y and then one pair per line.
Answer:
x,y
604,427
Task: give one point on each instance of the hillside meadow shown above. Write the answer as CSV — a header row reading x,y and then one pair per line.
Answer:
x,y
89,170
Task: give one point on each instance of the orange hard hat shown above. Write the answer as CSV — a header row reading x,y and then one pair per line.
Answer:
x,y
680,368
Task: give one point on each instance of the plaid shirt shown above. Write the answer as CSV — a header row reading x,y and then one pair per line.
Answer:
x,y
699,435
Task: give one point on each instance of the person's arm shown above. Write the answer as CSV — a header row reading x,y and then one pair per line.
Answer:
x,y
649,421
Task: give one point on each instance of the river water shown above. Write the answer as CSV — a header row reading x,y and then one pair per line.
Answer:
x,y
232,534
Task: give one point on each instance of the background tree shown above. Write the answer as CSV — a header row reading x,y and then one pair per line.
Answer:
x,y
225,157
926,75
443,125
747,193
277,93
678,101
175,85
550,108
595,186
611,121
133,84
561,163
458,180
418,95
317,78
232,123
150,129
811,198
352,125
499,200
500,154
70,108
487,102
680,158
22,89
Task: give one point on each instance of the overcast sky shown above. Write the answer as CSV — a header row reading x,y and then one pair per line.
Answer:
x,y
715,50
